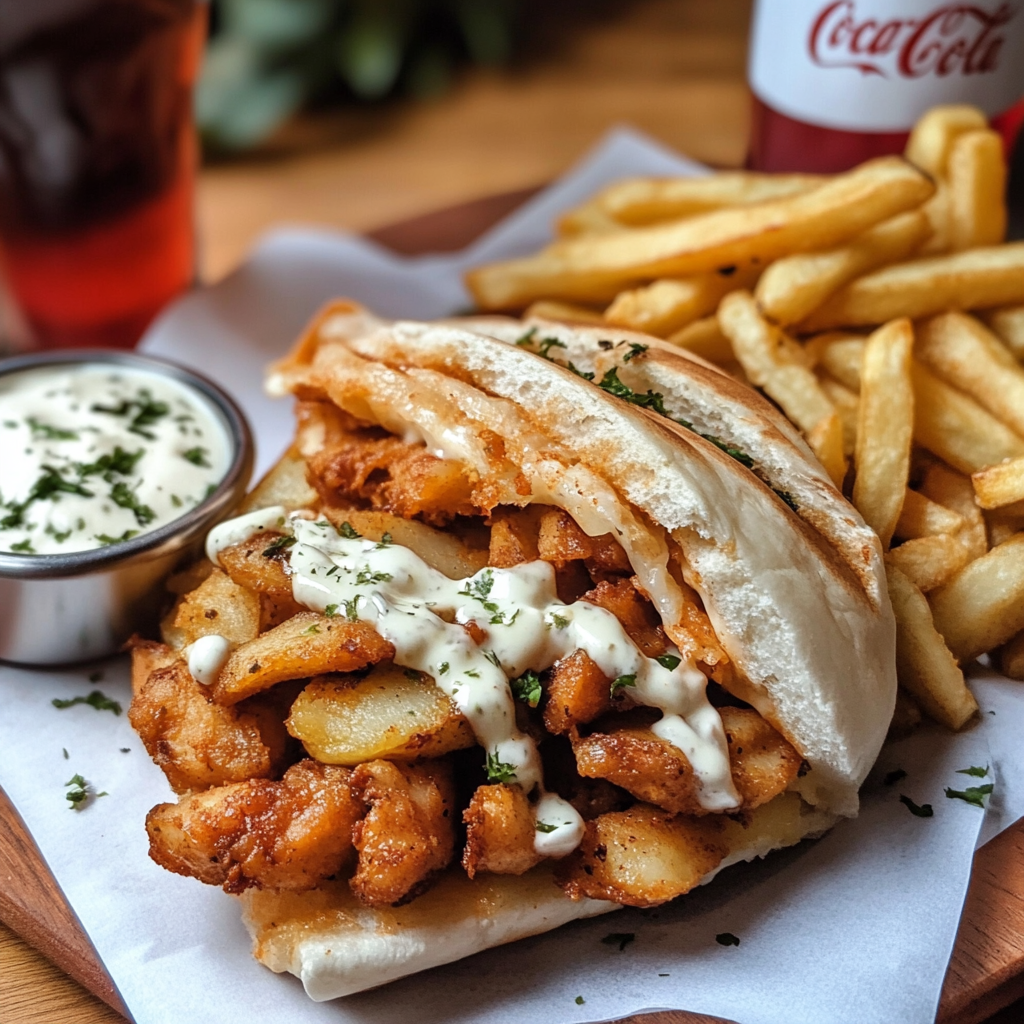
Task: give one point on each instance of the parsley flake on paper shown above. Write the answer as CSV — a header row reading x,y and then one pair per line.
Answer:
x,y
978,773
579,1000
974,795
727,939
918,810
97,699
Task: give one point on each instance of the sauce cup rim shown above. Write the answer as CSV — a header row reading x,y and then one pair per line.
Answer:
x,y
175,534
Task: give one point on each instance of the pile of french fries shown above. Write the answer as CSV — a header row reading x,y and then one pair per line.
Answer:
x,y
883,312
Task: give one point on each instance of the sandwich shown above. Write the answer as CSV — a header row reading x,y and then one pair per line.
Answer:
x,y
531,622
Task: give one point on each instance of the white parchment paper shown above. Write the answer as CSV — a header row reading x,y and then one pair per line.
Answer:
x,y
856,927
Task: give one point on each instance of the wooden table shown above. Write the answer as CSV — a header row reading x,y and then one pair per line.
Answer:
x,y
673,68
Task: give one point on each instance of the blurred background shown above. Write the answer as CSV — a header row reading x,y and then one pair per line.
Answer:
x,y
370,111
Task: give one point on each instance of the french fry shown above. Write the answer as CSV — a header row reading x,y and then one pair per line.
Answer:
x,y
641,201
840,356
1000,485
587,219
1011,657
937,212
953,426
988,276
884,428
924,664
964,353
545,309
847,408
929,562
977,189
773,361
704,338
667,305
922,517
1001,524
794,286
954,491
593,269
826,441
1008,325
932,137
983,605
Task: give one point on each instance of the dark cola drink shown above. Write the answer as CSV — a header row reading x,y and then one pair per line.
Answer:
x,y
97,162
838,81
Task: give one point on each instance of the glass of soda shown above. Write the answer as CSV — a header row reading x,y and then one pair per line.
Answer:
x,y
97,163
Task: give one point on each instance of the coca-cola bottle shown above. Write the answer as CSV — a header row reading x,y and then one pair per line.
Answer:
x,y
838,81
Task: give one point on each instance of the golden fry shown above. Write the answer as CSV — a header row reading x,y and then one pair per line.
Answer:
x,y
1011,657
545,309
932,138
954,491
704,338
1000,485
929,562
1008,325
671,303
847,405
884,428
593,269
977,190
840,356
924,664
826,441
989,276
922,517
983,605
795,286
964,353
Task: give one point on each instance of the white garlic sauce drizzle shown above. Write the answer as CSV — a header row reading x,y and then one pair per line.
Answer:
x,y
206,657
421,612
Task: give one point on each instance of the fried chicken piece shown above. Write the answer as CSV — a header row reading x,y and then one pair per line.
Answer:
x,y
195,742
500,831
514,536
634,611
650,768
642,857
578,692
763,761
408,834
393,475
274,835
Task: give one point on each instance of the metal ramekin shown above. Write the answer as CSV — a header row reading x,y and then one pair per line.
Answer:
x,y
76,606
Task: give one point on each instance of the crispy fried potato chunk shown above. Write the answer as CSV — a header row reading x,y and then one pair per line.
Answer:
x,y
499,832
306,645
560,540
284,484
217,605
258,564
642,857
147,657
274,835
763,761
634,611
578,692
514,534
408,833
650,768
391,713
195,742
394,476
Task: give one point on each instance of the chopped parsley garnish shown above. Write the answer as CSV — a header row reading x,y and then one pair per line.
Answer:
x,y
24,547
579,1000
314,628
894,776
385,542
787,498
621,683
559,621
573,368
635,349
97,699
669,661
480,589
331,610
58,535
499,619
727,939
348,532
472,673
653,400
124,497
78,794
443,668
545,827
176,501
919,811
43,431
65,752
527,688
524,340
731,450
493,658
974,795
499,771
620,939
49,484
546,345
277,547
144,412
978,773
197,456
352,608
364,577
106,539
118,461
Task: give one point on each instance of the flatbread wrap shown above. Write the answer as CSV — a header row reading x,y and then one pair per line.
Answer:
x,y
533,621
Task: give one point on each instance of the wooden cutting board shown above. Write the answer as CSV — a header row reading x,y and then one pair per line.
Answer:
x,y
985,974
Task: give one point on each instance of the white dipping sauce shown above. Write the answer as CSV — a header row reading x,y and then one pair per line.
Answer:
x,y
96,454
420,611
206,657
